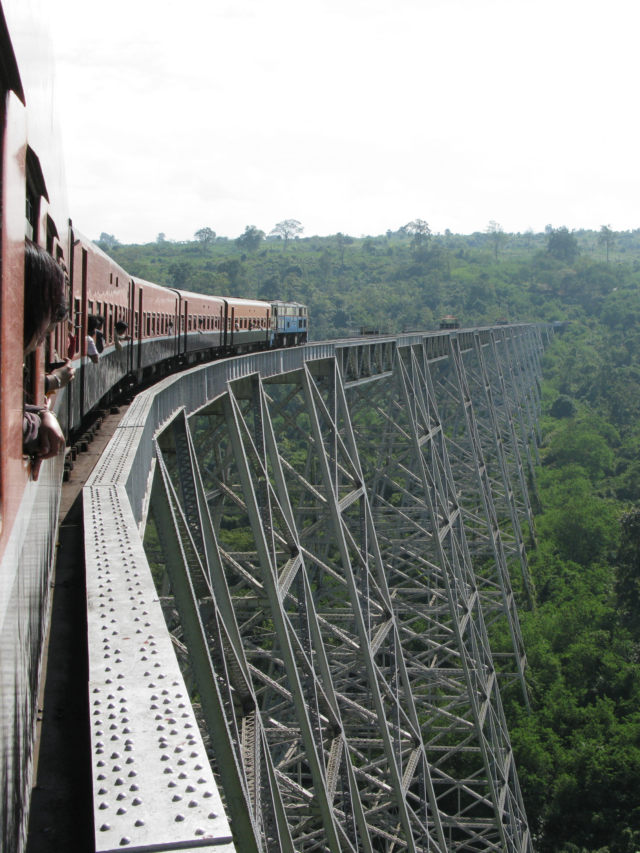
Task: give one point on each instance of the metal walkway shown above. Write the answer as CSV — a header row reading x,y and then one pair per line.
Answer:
x,y
302,652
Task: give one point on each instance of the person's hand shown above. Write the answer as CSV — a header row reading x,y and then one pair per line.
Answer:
x,y
64,374
50,437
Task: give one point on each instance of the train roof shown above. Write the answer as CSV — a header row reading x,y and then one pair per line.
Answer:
x,y
284,302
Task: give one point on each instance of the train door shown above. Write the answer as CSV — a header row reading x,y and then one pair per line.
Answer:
x,y
140,327
131,306
82,343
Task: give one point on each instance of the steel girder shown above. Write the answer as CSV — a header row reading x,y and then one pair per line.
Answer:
x,y
335,553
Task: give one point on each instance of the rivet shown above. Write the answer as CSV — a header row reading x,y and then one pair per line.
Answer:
x,y
119,781
207,794
178,749
121,810
139,823
201,781
168,770
121,797
166,758
212,815
134,787
172,784
199,832
100,763
115,755
105,827
125,839
179,817
104,805
102,792
176,798
198,767
193,804
136,802
190,789
101,776
181,762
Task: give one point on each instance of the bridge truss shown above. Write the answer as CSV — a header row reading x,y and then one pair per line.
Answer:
x,y
334,535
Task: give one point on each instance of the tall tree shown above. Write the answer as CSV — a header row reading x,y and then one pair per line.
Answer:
x,y
109,240
251,238
607,238
287,229
205,237
528,235
562,244
496,236
420,234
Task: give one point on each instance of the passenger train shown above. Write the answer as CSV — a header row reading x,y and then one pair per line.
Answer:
x,y
168,329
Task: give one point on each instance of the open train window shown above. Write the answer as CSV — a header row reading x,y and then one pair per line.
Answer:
x,y
110,323
135,324
148,316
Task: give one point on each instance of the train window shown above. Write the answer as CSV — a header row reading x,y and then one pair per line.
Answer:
x,y
148,321
135,324
110,322
116,281
110,278
90,306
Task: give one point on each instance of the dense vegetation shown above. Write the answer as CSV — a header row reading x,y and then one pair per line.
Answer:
x,y
578,752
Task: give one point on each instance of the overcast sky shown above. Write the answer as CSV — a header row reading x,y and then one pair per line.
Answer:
x,y
348,115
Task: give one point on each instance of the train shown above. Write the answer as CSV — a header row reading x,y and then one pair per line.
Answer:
x,y
168,328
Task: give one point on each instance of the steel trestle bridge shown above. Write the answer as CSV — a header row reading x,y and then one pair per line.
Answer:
x,y
296,561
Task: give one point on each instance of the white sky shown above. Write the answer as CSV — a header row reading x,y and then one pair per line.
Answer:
x,y
348,115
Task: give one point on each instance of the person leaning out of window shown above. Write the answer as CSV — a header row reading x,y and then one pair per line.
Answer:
x,y
45,306
92,329
120,334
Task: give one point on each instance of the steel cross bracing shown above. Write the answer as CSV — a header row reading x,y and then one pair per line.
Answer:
x,y
337,542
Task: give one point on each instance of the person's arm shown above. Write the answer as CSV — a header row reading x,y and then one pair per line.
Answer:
x,y
50,436
60,377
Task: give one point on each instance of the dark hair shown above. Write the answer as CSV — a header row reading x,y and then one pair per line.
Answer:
x,y
92,323
44,286
99,321
121,327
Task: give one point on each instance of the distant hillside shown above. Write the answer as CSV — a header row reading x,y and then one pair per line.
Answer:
x,y
396,281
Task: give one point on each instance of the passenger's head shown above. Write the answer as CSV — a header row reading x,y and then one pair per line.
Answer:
x,y
121,327
44,298
99,321
92,324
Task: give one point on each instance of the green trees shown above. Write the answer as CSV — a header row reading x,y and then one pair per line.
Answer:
x,y
420,236
205,236
287,229
250,240
496,236
607,238
562,245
